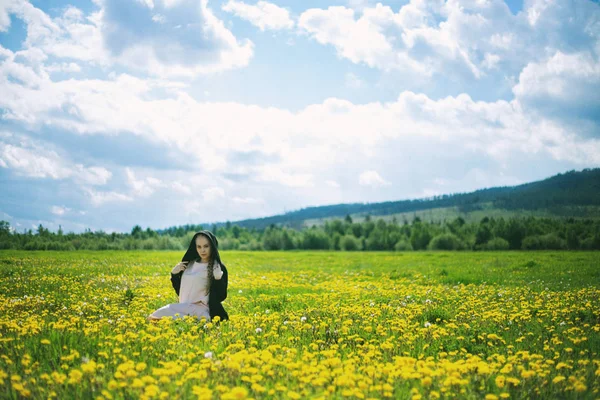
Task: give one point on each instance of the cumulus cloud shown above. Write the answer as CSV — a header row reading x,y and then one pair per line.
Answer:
x,y
276,145
361,41
275,174
464,40
564,85
142,187
99,198
64,67
372,178
164,38
58,210
264,15
213,193
170,38
247,200
33,159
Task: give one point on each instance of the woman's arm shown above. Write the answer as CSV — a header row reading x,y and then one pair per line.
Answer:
x,y
176,273
219,286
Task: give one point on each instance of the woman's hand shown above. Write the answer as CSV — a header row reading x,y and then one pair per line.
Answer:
x,y
179,267
217,272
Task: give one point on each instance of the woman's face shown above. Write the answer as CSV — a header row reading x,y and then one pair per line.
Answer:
x,y
203,247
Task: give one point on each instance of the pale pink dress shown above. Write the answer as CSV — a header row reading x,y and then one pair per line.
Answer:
x,y
193,294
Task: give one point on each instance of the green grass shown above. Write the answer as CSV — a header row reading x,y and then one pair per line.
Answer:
x,y
304,324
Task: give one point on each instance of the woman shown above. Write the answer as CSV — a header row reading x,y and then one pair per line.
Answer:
x,y
200,281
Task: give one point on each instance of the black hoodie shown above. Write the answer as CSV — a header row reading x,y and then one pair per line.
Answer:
x,y
218,287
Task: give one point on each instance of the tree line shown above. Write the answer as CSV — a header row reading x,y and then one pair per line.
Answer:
x,y
517,233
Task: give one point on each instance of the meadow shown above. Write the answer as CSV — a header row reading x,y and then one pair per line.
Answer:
x,y
304,325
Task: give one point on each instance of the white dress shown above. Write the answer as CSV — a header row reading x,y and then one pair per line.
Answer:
x,y
193,294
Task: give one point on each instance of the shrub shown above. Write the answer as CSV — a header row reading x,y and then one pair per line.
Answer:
x,y
229,244
403,245
315,239
168,243
550,241
591,243
148,244
350,243
446,241
495,244
252,245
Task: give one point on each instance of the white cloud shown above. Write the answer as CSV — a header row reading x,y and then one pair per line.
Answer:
x,y
182,38
563,85
275,174
162,38
325,135
247,200
361,40
91,175
373,179
181,188
64,67
264,15
332,184
31,159
100,198
462,40
31,163
213,193
58,210
142,187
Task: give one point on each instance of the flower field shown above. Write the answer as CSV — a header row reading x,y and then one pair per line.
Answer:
x,y
304,325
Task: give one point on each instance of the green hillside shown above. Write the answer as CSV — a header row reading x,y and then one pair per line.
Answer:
x,y
572,194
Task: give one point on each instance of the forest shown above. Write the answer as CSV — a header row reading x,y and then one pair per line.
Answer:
x,y
371,234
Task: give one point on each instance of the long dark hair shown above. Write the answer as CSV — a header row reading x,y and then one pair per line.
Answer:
x,y
192,253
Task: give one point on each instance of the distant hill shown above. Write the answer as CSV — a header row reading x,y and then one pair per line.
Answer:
x,y
572,194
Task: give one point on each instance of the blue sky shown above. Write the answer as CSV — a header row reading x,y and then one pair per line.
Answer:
x,y
166,112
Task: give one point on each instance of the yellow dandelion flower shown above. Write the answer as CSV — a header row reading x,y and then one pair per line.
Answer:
x,y
203,393
580,387
294,396
527,373
139,367
137,383
75,376
500,381
151,390
236,393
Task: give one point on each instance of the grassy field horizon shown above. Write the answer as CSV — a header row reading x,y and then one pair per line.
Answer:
x,y
304,324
